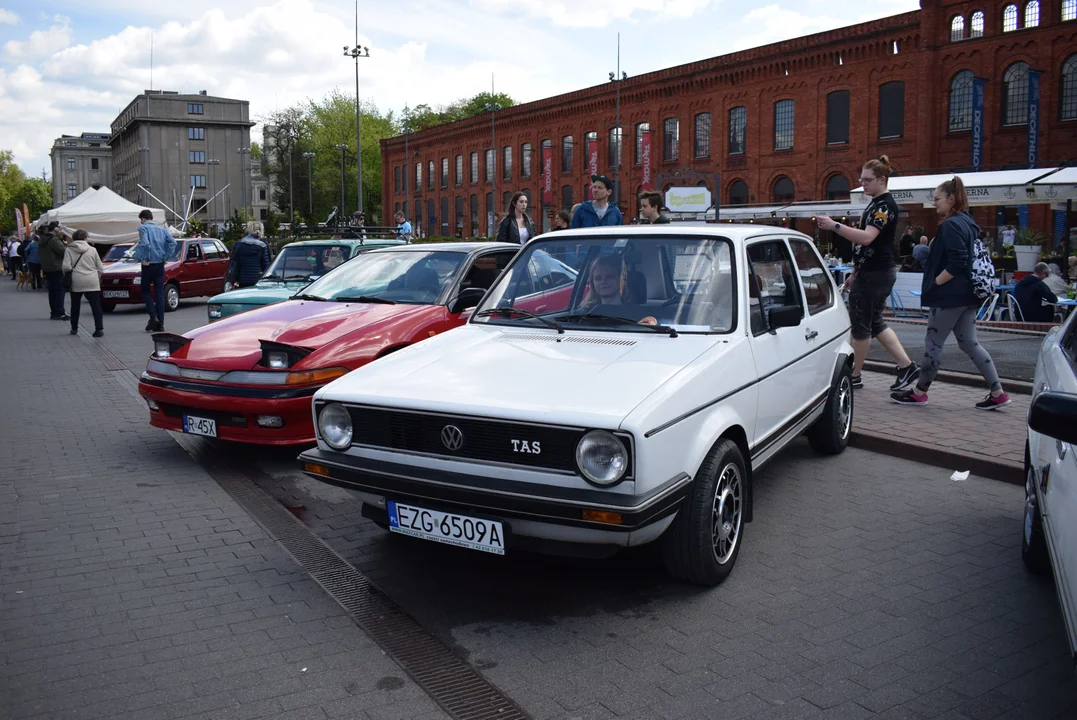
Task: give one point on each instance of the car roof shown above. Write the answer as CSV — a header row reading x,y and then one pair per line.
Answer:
x,y
461,247
350,242
734,231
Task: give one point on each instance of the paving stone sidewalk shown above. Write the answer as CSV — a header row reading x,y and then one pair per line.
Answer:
x,y
949,431
131,584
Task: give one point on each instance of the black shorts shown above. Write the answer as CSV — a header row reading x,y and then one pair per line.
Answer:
x,y
867,298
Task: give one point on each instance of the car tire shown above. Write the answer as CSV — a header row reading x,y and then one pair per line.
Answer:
x,y
829,435
702,543
172,297
108,307
1033,543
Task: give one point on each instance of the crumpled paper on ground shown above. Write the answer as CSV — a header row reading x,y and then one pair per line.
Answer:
x,y
960,476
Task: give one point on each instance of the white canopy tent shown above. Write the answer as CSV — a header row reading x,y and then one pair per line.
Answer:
x,y
107,217
999,187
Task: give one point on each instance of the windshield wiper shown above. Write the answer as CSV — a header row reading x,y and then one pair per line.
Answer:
x,y
364,299
508,312
615,320
305,296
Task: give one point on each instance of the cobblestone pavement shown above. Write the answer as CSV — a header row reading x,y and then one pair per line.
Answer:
x,y
131,584
869,586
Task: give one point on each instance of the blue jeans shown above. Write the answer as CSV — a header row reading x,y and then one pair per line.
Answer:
x,y
154,274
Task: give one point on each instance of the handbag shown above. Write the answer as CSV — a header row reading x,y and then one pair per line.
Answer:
x,y
65,281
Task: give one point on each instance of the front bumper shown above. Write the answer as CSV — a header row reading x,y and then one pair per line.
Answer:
x,y
235,408
134,292
539,512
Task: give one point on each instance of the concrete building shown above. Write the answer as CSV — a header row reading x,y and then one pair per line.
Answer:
x,y
261,190
79,161
169,142
789,121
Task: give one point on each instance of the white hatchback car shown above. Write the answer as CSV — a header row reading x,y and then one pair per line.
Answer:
x,y
1049,539
630,401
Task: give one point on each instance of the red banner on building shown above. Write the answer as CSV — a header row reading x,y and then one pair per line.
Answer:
x,y
592,156
645,159
547,175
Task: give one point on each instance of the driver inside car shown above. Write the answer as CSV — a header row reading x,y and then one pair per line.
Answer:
x,y
606,285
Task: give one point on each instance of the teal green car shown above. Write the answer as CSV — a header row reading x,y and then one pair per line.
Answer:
x,y
294,268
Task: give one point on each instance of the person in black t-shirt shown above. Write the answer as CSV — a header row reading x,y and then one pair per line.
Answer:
x,y
874,273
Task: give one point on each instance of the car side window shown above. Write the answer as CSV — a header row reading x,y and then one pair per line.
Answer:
x,y
194,253
818,289
1069,345
210,250
771,282
485,270
221,248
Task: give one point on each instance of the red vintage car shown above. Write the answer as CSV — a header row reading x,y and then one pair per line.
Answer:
x,y
250,377
197,267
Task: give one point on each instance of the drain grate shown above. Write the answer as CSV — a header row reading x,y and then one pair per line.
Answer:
x,y
460,690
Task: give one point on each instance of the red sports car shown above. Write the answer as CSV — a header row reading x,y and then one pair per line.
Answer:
x,y
250,377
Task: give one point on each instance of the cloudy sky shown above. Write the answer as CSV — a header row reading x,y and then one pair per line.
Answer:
x,y
69,66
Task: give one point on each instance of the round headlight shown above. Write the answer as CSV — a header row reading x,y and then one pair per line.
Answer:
x,y
214,311
601,457
335,425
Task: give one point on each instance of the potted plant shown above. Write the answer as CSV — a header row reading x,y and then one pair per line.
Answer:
x,y
1027,246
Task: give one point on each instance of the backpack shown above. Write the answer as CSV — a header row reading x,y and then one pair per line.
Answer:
x,y
984,282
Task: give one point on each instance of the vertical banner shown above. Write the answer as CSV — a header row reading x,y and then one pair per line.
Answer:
x,y
645,160
19,227
592,156
547,176
1033,117
977,122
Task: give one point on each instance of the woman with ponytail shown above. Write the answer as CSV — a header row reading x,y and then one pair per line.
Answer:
x,y
949,292
874,272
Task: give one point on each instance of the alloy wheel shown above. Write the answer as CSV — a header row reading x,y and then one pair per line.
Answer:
x,y
726,513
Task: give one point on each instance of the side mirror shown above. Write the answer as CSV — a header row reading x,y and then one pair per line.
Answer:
x,y
468,298
781,316
1054,414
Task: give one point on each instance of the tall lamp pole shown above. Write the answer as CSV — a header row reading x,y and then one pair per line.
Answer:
x,y
343,149
618,78
407,159
357,52
243,151
213,163
310,185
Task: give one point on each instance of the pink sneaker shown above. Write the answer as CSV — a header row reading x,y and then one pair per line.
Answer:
x,y
908,397
991,402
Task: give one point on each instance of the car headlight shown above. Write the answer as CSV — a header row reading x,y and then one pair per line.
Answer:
x,y
214,311
276,359
162,348
601,457
335,426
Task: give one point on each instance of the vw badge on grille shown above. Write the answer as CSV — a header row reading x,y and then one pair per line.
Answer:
x,y
451,437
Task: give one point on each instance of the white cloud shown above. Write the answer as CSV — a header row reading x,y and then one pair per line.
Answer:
x,y
41,43
8,17
596,13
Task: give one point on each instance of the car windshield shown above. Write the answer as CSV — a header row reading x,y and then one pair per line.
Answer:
x,y
613,283
408,277
117,252
127,255
306,262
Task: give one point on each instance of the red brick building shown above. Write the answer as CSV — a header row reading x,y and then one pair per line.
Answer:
x,y
788,121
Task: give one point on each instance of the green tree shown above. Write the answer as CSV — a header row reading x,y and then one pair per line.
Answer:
x,y
35,194
256,150
11,180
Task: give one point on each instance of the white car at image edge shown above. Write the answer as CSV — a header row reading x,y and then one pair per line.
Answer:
x,y
629,401
1049,533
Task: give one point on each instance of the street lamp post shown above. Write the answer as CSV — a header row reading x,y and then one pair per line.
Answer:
x,y
618,78
357,52
243,151
213,163
310,185
343,149
407,159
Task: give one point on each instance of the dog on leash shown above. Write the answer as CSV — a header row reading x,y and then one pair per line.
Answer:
x,y
24,281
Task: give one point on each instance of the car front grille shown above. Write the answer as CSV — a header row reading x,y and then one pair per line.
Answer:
x,y
537,446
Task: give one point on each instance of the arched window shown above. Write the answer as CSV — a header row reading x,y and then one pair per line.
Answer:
x,y
1032,14
1009,18
961,101
837,188
1015,94
957,28
1069,88
1069,10
738,193
783,190
977,26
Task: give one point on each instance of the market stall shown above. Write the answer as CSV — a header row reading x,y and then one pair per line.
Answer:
x,y
107,217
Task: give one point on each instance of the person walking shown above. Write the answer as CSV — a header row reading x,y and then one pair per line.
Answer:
x,y
84,264
599,211
33,262
403,227
516,227
155,246
14,258
250,257
650,208
948,290
51,249
874,273
561,220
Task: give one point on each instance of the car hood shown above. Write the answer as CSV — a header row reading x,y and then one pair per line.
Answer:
x,y
234,342
263,293
590,379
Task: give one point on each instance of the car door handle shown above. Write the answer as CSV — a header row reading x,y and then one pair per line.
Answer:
x,y
1061,448
810,334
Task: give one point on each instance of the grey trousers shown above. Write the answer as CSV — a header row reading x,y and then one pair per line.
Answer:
x,y
961,321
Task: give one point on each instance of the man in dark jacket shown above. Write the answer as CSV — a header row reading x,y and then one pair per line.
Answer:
x,y
1032,292
650,204
598,212
250,257
51,250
